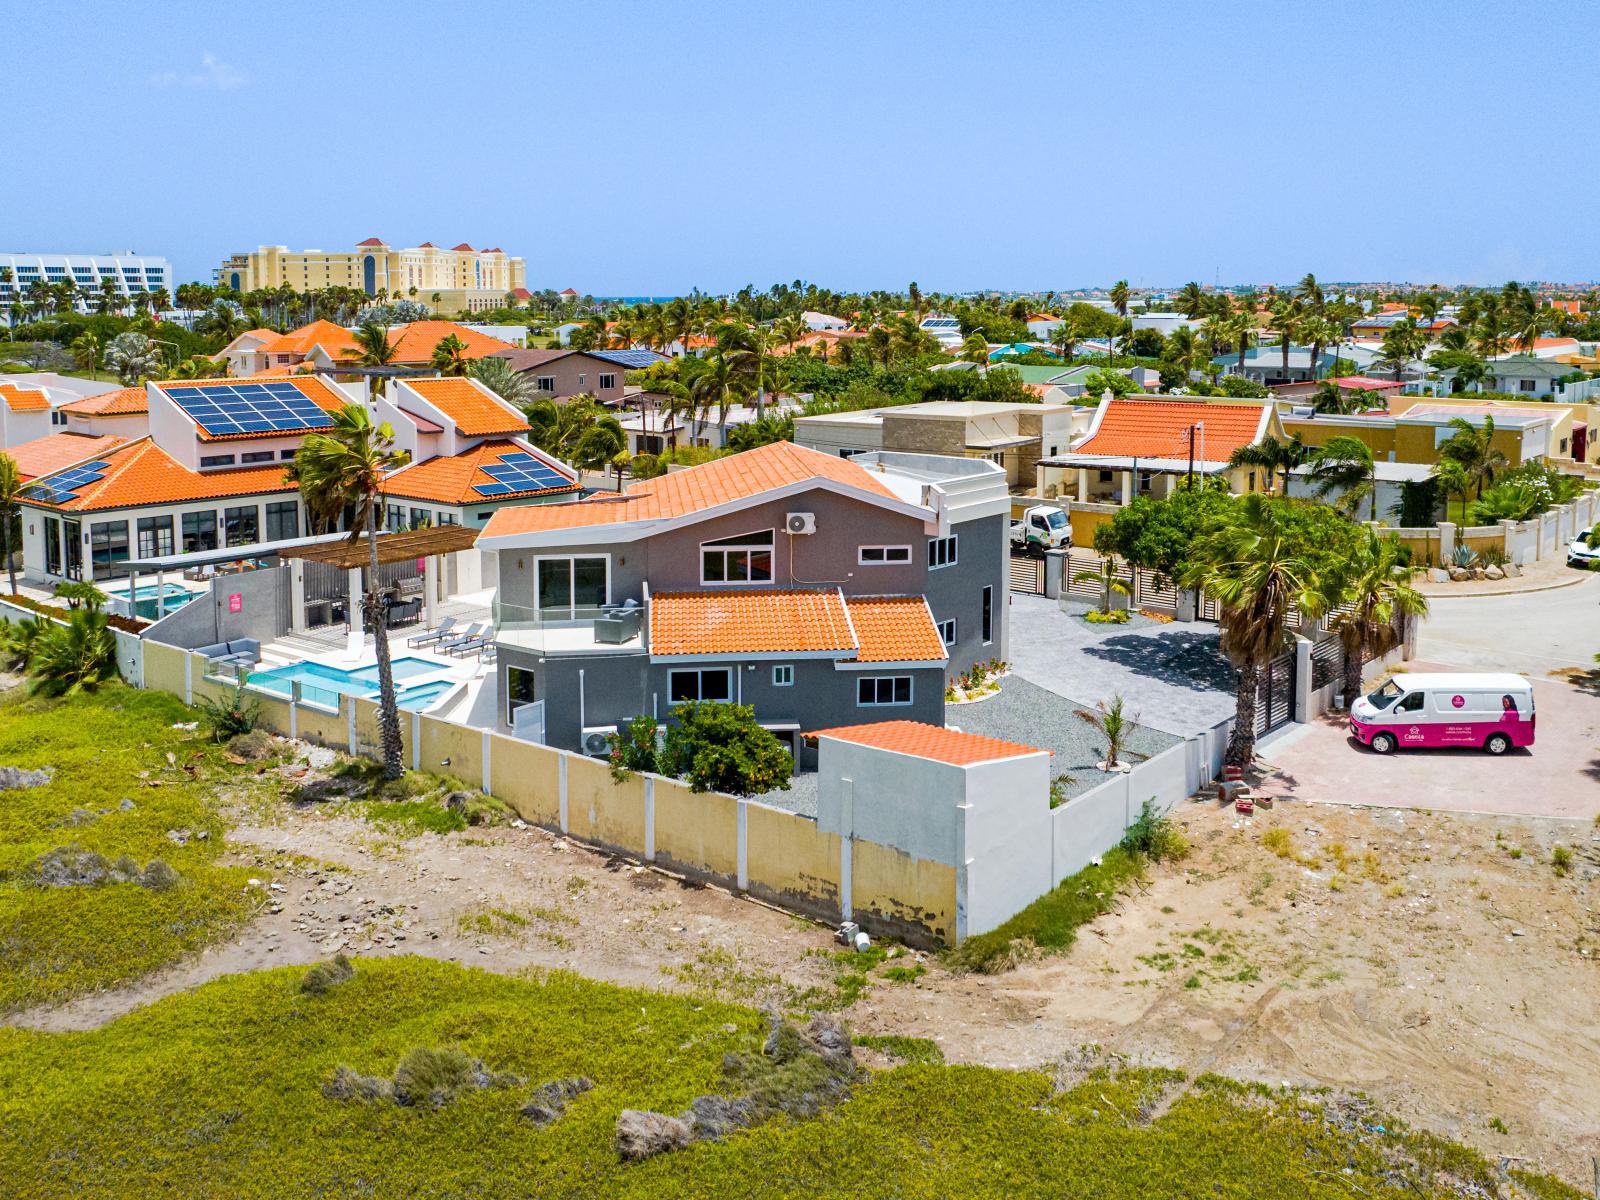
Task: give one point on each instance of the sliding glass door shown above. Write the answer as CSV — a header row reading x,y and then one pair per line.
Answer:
x,y
571,588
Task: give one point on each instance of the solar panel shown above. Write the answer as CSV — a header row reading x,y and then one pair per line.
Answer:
x,y
520,472
229,408
62,487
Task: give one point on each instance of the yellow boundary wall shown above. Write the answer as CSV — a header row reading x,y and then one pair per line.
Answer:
x,y
741,844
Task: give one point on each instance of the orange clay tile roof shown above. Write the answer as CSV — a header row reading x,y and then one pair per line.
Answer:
x,y
371,242
335,339
932,742
680,493
24,399
58,451
282,371
895,629
1160,429
450,480
126,402
475,410
414,343
320,393
750,622
141,473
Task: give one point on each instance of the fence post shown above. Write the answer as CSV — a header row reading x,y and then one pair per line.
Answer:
x,y
349,704
742,821
488,749
1055,562
416,739
565,824
649,819
188,677
1447,543
847,835
1302,680
294,709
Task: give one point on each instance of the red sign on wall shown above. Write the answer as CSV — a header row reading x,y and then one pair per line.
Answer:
x,y
236,602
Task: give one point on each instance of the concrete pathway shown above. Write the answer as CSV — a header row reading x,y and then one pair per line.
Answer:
x,y
1172,675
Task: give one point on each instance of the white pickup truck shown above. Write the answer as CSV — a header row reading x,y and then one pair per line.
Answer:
x,y
1041,528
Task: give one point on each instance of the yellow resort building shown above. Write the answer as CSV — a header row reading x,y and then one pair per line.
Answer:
x,y
460,279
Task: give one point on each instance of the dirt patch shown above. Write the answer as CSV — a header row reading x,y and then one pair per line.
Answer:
x,y
1439,963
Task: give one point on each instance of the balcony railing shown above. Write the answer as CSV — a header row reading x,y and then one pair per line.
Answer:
x,y
582,627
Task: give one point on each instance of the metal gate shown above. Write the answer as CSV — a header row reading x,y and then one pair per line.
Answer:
x,y
1275,694
1027,575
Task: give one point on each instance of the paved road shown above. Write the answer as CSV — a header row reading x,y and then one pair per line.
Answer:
x,y
1534,633
1172,675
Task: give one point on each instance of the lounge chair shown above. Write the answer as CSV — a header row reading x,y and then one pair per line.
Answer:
x,y
470,644
487,654
442,630
470,633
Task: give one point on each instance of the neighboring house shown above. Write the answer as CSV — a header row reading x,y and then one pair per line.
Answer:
x,y
1379,323
1042,325
26,414
562,374
1351,385
124,412
1413,433
947,330
1391,479
1264,364
1165,323
324,346
1143,447
58,451
1013,436
1521,374
813,588
816,321
240,354
710,429
564,332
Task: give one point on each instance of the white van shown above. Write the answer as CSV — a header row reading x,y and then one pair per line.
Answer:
x,y
1494,712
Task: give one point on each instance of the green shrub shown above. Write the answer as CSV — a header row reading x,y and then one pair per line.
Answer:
x,y
633,748
1154,836
323,977
226,717
907,1049
719,747
77,656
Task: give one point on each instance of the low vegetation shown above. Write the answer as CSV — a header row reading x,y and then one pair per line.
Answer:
x,y
239,1084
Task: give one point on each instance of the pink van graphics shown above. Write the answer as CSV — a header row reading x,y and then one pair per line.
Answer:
x,y
1491,712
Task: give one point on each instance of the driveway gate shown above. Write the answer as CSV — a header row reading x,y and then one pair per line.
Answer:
x,y
1027,575
1275,694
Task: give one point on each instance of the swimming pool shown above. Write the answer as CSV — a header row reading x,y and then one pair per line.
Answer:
x,y
145,600
322,684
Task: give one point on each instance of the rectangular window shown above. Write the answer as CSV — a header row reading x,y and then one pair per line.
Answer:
x,y
199,531
446,518
395,520
155,536
743,558
215,460
242,526
52,546
283,520
72,539
547,383
57,417
568,586
1527,385
942,552
988,615
519,690
257,456
607,382
705,683
947,632
108,549
420,518
783,676
286,454
878,691
879,556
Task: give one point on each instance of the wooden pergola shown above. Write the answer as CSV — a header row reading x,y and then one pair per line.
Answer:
x,y
350,555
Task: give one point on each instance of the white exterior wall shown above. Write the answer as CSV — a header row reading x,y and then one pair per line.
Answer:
x,y
87,271
1007,861
909,803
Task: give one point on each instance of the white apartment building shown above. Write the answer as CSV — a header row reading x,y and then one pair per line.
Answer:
x,y
129,272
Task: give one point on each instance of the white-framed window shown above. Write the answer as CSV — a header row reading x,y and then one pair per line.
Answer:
x,y
546,383
607,382
880,691
783,676
699,683
1528,385
564,588
882,556
742,558
941,552
947,632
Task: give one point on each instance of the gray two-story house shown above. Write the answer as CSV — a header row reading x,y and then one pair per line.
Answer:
x,y
821,591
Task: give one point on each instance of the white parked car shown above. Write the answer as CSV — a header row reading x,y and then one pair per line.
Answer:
x,y
1584,550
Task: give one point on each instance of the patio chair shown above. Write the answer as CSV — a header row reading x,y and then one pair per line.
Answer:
x,y
487,654
469,634
439,632
468,645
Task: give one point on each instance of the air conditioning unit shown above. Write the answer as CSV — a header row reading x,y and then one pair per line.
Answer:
x,y
597,740
800,522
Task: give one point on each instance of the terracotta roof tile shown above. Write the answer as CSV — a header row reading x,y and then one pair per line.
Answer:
x,y
59,451
141,473
476,411
336,340
1160,429
450,480
720,481
371,242
932,742
127,402
318,391
20,399
895,629
750,622
414,343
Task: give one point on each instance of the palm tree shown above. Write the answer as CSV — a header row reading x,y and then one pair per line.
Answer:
x,y
1272,456
1472,448
718,386
1309,291
975,350
10,486
1183,349
1064,337
497,374
1252,569
1285,322
349,464
1343,467
86,353
1453,481
1318,331
133,357
1375,587
1239,327
1401,344
1118,295
77,656
1191,300
449,357
373,349
224,320
1112,721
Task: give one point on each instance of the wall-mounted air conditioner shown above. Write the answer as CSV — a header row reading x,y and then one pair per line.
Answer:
x,y
800,522
597,740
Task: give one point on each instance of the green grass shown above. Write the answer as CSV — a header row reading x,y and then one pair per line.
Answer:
x,y
221,1088
106,748
907,1049
1052,921
411,817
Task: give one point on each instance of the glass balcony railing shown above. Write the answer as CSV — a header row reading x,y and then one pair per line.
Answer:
x,y
573,627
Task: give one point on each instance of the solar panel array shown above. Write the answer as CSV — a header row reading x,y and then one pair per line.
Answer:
x,y
64,487
519,472
632,359
222,409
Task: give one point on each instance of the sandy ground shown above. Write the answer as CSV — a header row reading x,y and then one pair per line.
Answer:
x,y
1452,975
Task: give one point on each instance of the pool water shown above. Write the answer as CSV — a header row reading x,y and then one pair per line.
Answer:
x,y
145,600
322,684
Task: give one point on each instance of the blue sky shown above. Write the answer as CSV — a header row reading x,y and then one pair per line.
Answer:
x,y
626,148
